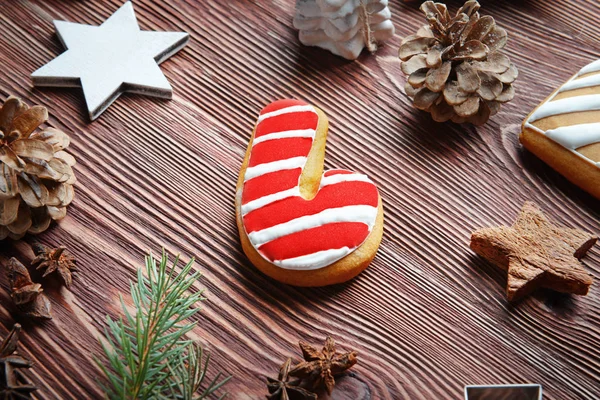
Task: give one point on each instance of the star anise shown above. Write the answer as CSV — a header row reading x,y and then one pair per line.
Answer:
x,y
58,259
13,384
320,367
282,389
27,295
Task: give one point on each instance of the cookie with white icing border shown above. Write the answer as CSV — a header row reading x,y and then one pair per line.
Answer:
x,y
564,131
298,224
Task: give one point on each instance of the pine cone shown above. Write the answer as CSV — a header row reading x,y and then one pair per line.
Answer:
x,y
456,71
36,178
27,295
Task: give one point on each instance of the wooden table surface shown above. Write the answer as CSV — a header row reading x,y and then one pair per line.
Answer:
x,y
427,317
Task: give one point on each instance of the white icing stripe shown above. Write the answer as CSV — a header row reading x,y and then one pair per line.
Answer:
x,y
593,67
364,214
588,81
564,106
285,110
271,198
300,133
333,179
326,181
573,137
279,165
316,260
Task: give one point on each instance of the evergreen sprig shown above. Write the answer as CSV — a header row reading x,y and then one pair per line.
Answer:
x,y
148,354
190,372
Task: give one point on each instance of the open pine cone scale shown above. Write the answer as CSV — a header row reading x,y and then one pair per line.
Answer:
x,y
454,65
36,175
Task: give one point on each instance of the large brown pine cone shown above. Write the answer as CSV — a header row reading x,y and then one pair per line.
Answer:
x,y
36,178
456,71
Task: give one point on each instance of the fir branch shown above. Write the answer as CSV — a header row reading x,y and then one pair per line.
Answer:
x,y
191,371
148,354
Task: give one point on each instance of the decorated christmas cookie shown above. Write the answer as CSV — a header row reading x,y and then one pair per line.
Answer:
x,y
564,130
297,224
536,253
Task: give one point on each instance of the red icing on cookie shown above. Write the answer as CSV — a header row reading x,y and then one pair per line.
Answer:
x,y
286,229
279,104
282,123
336,235
270,183
337,172
332,196
273,150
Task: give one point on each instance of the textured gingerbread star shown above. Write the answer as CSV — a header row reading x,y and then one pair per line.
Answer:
x,y
536,254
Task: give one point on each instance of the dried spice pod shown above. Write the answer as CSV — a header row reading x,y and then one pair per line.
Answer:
x,y
320,367
57,260
283,389
13,384
455,67
27,295
36,175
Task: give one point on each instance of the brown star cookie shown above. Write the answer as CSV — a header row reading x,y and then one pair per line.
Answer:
x,y
536,254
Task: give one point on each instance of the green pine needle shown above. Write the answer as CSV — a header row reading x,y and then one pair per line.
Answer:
x,y
148,356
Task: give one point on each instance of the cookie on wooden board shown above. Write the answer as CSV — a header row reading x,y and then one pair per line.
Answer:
x,y
564,131
298,224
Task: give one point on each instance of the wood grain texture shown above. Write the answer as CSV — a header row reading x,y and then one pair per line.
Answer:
x,y
427,317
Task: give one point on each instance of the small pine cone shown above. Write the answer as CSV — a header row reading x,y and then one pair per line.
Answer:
x,y
27,295
36,175
23,290
454,65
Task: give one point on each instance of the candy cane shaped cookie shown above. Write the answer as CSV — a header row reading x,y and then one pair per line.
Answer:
x,y
297,224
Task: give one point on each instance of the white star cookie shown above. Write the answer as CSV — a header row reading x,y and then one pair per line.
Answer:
x,y
110,59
